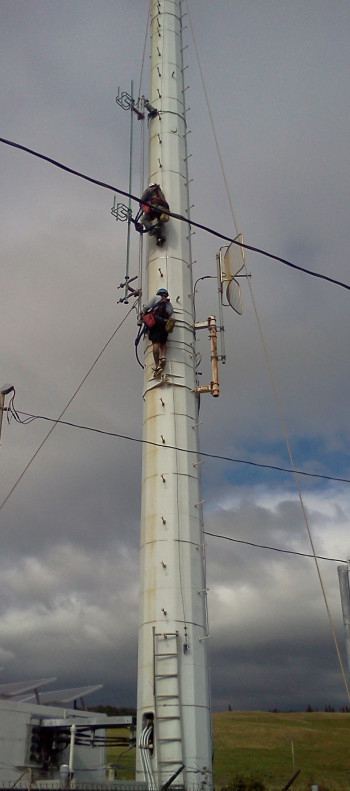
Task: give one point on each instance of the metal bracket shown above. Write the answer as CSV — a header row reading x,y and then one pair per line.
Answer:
x,y
4,390
126,102
120,211
135,292
213,387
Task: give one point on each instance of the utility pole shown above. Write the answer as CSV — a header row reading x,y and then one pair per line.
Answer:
x,y
174,720
344,587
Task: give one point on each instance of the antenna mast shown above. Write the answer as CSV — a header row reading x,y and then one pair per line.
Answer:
x,y
174,720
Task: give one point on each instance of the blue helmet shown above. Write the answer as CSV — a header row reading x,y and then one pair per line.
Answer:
x,y
162,292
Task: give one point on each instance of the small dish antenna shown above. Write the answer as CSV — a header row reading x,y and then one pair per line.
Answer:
x,y
230,263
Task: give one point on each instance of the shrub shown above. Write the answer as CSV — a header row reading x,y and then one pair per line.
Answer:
x,y
240,783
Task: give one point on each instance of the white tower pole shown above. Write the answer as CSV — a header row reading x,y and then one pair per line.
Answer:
x,y
344,586
174,720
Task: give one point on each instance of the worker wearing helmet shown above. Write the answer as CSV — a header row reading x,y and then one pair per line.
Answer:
x,y
162,310
153,213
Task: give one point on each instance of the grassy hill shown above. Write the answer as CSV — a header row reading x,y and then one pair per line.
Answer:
x,y
252,744
261,743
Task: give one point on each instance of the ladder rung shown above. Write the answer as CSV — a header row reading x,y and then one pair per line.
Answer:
x,y
166,654
166,695
175,761
168,739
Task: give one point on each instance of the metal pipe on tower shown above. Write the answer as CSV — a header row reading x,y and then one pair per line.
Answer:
x,y
174,718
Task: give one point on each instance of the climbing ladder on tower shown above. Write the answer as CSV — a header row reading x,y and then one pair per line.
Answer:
x,y
167,704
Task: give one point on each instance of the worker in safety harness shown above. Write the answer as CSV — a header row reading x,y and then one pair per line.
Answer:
x,y
161,308
152,213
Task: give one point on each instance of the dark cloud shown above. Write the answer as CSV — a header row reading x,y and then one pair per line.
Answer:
x,y
268,676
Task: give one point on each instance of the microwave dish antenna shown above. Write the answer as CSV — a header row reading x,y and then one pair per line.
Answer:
x,y
230,263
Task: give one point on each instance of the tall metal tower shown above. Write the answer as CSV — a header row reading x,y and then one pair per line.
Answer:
x,y
174,719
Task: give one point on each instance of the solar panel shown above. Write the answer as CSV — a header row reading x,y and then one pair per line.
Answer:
x,y
64,695
17,688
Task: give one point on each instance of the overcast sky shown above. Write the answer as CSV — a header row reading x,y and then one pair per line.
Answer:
x,y
277,77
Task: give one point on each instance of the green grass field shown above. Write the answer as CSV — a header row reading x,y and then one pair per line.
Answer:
x,y
260,744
